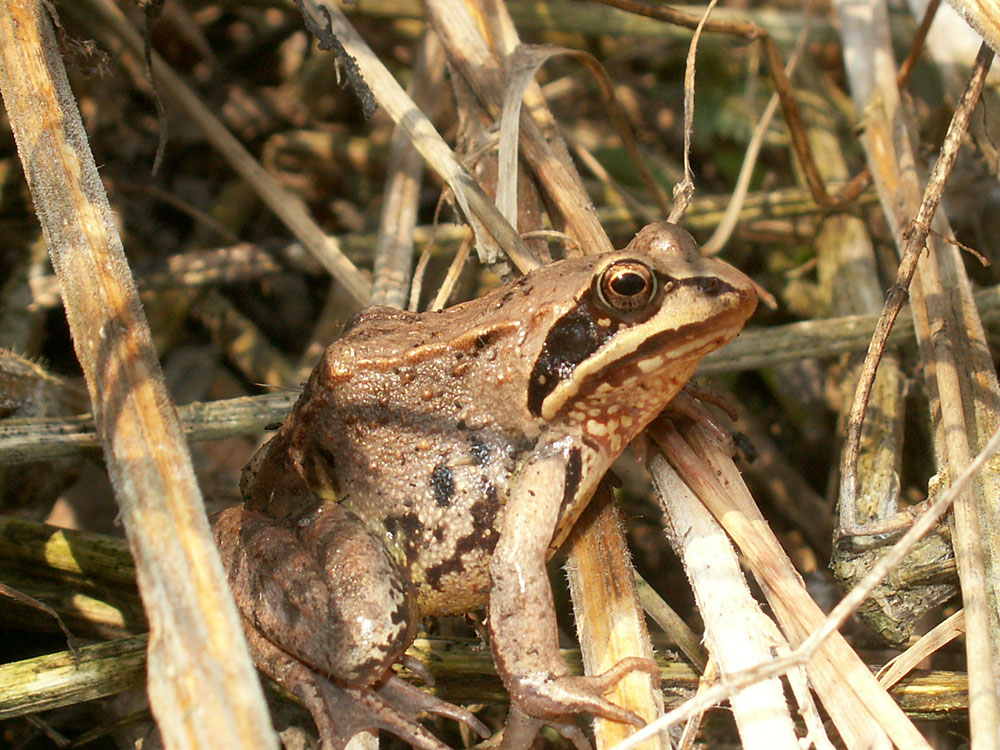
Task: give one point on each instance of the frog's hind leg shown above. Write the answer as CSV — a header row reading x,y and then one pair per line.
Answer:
x,y
327,613
340,712
324,590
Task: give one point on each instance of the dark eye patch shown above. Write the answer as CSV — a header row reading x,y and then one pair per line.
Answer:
x,y
577,335
572,339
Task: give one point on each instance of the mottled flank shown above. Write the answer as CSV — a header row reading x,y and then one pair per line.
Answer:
x,y
407,531
477,545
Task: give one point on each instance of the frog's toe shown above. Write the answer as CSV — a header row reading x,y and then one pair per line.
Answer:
x,y
340,712
591,688
521,729
574,695
393,706
553,702
413,701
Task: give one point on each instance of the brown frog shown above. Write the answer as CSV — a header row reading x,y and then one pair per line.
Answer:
x,y
435,461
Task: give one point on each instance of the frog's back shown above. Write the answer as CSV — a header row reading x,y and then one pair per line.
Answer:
x,y
417,433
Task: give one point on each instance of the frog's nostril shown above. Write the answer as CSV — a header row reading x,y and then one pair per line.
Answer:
x,y
711,285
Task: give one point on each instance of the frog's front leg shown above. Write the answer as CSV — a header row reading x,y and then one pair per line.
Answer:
x,y
522,618
327,613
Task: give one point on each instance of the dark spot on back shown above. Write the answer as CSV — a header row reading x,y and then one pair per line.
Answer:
x,y
483,537
480,451
443,484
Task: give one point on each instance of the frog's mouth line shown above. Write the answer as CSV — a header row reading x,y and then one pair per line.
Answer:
x,y
670,355
682,343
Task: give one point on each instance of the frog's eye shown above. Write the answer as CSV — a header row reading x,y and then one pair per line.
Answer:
x,y
627,285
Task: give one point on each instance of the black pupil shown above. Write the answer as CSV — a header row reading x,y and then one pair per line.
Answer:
x,y
628,284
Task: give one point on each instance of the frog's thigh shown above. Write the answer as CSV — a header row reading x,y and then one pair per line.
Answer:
x,y
329,595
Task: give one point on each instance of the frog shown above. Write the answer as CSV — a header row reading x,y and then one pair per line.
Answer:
x,y
433,464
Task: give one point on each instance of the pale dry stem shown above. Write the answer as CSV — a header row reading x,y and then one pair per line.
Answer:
x,y
737,633
609,618
861,709
197,704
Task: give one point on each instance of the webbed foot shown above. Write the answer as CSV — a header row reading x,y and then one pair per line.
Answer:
x,y
552,701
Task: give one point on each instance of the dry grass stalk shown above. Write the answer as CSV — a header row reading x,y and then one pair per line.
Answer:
x,y
826,337
724,230
524,63
248,350
64,679
23,440
848,274
90,581
327,20
609,619
481,68
965,394
393,267
787,488
672,624
28,389
737,633
184,590
862,711
941,634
